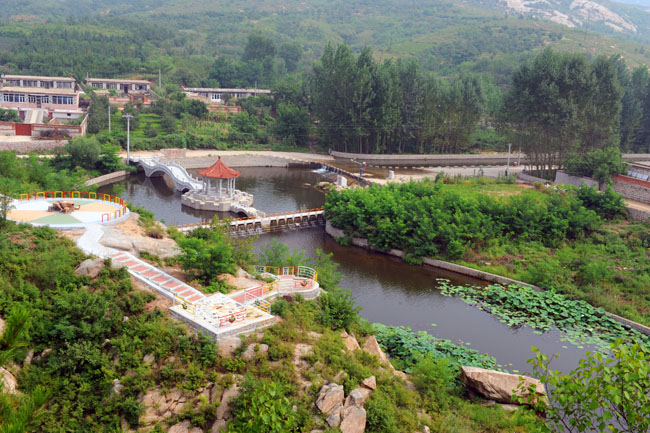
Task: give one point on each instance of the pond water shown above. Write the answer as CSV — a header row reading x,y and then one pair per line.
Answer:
x,y
388,290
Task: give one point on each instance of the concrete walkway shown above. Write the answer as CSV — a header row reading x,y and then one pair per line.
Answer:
x,y
155,278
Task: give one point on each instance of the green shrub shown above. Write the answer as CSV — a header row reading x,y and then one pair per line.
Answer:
x,y
338,309
280,308
263,407
233,364
381,414
280,351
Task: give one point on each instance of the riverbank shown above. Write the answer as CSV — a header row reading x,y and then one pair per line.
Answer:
x,y
470,272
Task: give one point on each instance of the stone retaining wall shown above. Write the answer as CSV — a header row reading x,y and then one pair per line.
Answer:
x,y
631,188
31,145
563,178
639,214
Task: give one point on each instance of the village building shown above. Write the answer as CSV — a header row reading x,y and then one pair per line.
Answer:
x,y
122,86
121,91
41,99
220,96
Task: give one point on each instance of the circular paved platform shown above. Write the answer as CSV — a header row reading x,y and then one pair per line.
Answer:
x,y
86,211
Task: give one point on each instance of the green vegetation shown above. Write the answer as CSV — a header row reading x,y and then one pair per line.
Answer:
x,y
608,393
600,164
88,333
517,306
425,219
600,261
559,104
412,347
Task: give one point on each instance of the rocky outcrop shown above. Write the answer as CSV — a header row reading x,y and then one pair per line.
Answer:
x,y
357,397
498,386
330,396
372,346
370,382
351,416
184,427
90,268
227,346
254,349
223,410
350,342
354,420
159,405
8,383
132,243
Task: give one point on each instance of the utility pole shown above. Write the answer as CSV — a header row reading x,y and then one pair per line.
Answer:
x,y
128,137
508,166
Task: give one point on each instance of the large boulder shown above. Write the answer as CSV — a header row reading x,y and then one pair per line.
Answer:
x,y
357,397
350,342
372,346
8,382
89,267
354,420
330,396
162,248
370,382
498,386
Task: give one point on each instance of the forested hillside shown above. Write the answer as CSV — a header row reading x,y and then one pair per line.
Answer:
x,y
182,38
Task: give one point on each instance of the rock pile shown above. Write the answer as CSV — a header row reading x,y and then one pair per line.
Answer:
x,y
346,413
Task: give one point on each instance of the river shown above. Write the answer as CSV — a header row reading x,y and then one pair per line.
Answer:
x,y
388,290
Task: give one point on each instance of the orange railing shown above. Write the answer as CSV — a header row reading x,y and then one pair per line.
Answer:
x,y
108,216
240,316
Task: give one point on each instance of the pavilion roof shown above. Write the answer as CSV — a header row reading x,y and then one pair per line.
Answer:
x,y
219,170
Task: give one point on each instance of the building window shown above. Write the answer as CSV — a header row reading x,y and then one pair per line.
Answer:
x,y
111,86
30,83
63,85
97,85
46,84
62,100
13,83
45,99
13,97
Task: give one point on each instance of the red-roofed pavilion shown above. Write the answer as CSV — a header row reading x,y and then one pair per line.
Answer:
x,y
220,171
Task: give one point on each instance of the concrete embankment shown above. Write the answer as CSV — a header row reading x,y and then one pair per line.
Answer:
x,y
449,160
475,273
108,178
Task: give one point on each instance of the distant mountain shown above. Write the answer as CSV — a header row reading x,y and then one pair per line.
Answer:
x,y
627,17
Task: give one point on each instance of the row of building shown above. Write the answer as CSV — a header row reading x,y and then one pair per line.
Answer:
x,y
40,99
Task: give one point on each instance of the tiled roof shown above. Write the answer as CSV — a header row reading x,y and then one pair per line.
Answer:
x,y
219,170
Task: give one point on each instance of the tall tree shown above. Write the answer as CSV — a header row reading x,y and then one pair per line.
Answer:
x,y
333,80
259,47
544,105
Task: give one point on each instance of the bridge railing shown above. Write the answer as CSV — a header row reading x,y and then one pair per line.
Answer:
x,y
235,221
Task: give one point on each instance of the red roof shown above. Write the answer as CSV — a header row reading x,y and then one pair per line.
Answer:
x,y
219,170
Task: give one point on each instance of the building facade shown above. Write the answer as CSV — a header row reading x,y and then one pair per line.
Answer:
x,y
120,85
219,96
40,99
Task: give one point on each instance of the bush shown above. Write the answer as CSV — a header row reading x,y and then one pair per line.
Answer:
x,y
338,309
263,407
